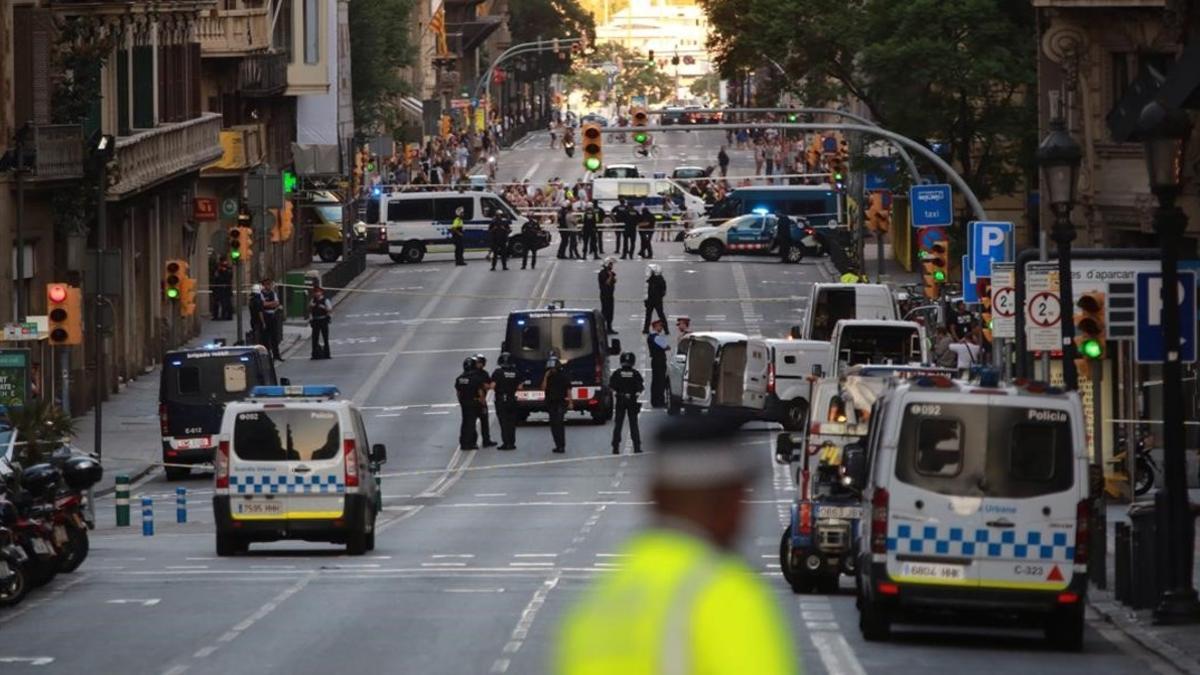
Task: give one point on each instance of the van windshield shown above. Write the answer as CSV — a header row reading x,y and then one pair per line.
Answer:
x,y
879,344
833,305
977,450
291,434
535,337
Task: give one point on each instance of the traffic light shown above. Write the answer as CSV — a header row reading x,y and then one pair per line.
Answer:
x,y
593,149
173,273
1090,337
792,117
675,60
985,299
247,243
812,156
64,309
639,120
235,240
650,55
879,212
187,292
933,268
290,182
837,172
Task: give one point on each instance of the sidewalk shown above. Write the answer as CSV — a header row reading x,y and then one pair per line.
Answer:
x,y
1178,645
132,441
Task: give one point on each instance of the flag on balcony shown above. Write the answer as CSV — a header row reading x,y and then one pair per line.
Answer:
x,y
437,24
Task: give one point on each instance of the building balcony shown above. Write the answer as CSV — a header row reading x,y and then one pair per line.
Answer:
x,y
243,147
58,152
157,155
234,32
261,75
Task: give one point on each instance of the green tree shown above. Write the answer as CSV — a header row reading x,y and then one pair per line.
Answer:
x,y
637,76
530,20
380,45
959,72
706,86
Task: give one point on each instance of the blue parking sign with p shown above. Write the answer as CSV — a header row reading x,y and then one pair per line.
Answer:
x,y
990,241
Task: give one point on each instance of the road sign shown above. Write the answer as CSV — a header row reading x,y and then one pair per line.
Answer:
x,y
229,208
17,332
991,241
1004,301
970,289
1150,339
931,205
1043,312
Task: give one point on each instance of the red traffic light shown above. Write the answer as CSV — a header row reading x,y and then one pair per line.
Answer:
x,y
56,293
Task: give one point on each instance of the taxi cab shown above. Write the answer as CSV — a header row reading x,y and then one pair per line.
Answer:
x,y
976,500
294,462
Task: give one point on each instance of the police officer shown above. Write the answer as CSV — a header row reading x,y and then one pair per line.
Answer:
x,y
458,236
783,236
529,237
272,317
466,387
627,383
619,213
320,313
485,383
564,226
589,231
556,386
505,382
498,231
658,346
645,226
629,232
656,290
608,286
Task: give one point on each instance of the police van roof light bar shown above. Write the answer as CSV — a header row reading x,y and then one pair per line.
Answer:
x,y
299,391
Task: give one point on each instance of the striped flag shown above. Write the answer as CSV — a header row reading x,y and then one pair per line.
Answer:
x,y
437,24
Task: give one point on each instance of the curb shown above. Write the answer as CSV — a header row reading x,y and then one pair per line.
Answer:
x,y
1111,613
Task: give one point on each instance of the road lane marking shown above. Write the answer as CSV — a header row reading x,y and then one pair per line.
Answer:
x,y
433,412
531,564
144,602
535,555
491,494
472,590
452,555
30,660
488,505
836,654
443,564
553,494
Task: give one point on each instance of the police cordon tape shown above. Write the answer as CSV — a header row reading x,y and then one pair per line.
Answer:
x,y
426,472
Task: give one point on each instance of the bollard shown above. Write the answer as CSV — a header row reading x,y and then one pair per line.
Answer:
x,y
147,517
180,505
122,499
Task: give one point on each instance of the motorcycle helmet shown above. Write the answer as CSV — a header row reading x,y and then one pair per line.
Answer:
x,y
628,359
81,472
40,479
504,359
468,363
653,269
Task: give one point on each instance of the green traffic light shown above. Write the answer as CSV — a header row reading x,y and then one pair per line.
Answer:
x,y
591,163
172,293
939,276
838,176
792,118
235,255
289,182
1091,348
640,138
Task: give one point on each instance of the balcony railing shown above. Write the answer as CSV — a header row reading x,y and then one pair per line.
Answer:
x,y
150,157
233,32
243,146
58,152
263,74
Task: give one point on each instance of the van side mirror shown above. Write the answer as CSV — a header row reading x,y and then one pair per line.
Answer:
x,y
285,381
794,332
378,453
783,448
818,370
854,460
614,349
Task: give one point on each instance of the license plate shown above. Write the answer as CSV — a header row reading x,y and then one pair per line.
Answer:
x,y
934,571
531,395
844,512
192,443
260,508
40,547
60,535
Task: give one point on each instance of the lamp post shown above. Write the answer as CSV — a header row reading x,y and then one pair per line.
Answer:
x,y
1164,136
1059,157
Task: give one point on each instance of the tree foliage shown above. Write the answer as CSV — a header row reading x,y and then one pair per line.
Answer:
x,y
380,45
707,85
959,72
530,20
636,76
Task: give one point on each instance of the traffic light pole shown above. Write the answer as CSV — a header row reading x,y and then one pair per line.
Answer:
x,y
237,301
98,309
483,88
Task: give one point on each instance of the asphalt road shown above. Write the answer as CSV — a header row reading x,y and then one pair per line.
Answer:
x,y
479,554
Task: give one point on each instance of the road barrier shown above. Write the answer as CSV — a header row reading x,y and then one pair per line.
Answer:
x,y
181,505
122,499
147,517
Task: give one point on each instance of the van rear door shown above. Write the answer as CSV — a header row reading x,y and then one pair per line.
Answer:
x,y
731,379
756,374
701,360
194,391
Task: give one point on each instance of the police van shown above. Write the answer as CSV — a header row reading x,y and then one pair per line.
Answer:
x,y
419,223
579,340
194,388
978,501
294,462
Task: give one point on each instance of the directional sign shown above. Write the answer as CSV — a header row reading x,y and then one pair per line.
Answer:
x,y
1043,313
990,242
970,280
1151,345
1004,301
931,205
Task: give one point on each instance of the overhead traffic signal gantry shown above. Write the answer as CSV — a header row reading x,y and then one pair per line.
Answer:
x,y
64,309
593,147
1090,329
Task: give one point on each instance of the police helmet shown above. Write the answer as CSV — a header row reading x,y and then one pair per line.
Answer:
x,y
628,359
610,261
468,363
458,211
480,359
504,359
552,362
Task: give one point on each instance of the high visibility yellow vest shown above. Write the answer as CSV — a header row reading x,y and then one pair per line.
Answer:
x,y
457,224
677,607
850,278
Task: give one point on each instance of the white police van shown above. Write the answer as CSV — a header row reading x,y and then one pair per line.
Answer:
x,y
978,501
419,223
294,462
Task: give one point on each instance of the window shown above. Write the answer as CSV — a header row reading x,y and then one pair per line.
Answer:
x,y
410,209
939,447
1127,66
444,209
283,31
188,379
491,207
572,337
235,378
292,434
531,339
312,28
1031,452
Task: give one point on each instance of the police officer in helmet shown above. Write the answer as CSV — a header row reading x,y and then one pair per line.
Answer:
x,y
505,382
557,386
627,383
485,383
466,387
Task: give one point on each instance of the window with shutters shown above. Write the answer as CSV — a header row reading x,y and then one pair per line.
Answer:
x,y
143,87
33,33
122,67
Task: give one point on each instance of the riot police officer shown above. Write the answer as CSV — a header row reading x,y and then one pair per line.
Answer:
x,y
556,386
505,382
485,383
466,387
498,231
590,217
626,384
607,280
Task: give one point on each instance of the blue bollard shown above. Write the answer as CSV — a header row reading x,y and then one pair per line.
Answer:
x,y
180,505
147,517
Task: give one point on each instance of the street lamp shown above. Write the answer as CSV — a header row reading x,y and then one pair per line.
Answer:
x,y
1164,134
1059,157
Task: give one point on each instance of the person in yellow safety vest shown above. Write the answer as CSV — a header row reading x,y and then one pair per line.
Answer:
x,y
683,603
852,277
456,235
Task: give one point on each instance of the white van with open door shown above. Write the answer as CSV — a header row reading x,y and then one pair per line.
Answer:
x,y
830,303
718,370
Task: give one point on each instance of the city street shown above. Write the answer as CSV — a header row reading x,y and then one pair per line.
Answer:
x,y
479,554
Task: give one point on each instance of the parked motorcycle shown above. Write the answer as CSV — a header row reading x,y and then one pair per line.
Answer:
x,y
1145,468
14,580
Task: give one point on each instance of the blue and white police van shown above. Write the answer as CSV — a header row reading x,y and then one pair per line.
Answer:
x,y
419,222
294,462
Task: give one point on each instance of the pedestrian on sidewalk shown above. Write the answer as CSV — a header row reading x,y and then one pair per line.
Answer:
x,y
646,230
556,385
498,232
466,388
656,291
529,238
320,314
457,236
505,383
272,317
608,287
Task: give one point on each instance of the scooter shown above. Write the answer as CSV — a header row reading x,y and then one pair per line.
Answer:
x,y
569,146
